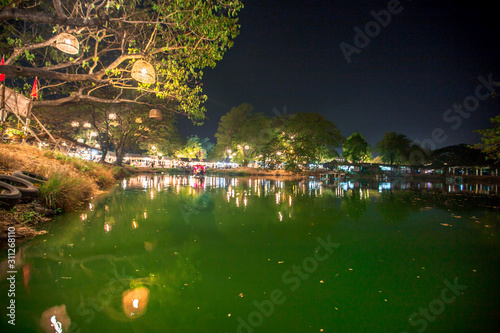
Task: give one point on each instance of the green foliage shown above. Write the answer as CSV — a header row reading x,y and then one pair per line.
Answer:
x,y
101,174
195,148
243,133
65,190
356,149
394,148
292,140
179,38
490,140
29,216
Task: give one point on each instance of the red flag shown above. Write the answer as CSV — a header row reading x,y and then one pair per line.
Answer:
x,y
34,90
2,76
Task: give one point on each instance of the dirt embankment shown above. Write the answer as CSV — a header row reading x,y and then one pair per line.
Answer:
x,y
72,182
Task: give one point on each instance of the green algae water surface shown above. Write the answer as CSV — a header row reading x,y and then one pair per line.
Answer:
x,y
178,254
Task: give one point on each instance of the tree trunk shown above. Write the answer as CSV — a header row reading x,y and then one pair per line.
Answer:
x,y
119,157
120,152
103,155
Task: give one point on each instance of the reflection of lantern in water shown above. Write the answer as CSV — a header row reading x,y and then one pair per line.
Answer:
x,y
135,302
135,225
55,319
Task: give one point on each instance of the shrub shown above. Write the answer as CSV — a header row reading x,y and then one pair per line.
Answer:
x,y
120,172
65,190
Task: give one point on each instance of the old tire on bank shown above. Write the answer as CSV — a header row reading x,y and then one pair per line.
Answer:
x,y
28,191
30,176
9,196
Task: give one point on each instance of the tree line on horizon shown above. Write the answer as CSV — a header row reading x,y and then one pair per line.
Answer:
x,y
296,140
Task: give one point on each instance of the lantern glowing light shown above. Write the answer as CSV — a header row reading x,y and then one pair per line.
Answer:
x,y
67,43
55,319
143,72
135,302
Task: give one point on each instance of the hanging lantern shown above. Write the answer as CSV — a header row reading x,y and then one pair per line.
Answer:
x,y
67,43
155,114
112,116
144,72
75,124
87,125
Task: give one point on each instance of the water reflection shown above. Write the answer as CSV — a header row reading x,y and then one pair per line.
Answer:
x,y
310,186
185,249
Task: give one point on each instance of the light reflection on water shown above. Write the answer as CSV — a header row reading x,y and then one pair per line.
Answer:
x,y
311,186
209,249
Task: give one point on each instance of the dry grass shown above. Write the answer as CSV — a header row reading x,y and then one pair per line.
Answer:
x,y
66,189
101,174
71,180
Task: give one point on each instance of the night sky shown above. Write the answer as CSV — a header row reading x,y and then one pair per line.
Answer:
x,y
425,60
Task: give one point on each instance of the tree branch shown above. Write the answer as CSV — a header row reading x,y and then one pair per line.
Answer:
x,y
39,17
45,74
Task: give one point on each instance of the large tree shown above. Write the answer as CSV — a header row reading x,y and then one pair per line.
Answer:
x,y
178,38
356,149
243,133
195,148
394,148
311,137
490,140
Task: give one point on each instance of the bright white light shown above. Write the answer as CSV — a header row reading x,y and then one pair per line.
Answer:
x,y
57,325
135,303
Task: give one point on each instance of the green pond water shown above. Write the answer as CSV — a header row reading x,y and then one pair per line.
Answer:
x,y
175,254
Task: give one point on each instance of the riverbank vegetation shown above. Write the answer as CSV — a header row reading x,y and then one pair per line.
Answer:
x,y
71,182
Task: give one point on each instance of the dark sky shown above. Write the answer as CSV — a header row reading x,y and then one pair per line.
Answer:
x,y
425,60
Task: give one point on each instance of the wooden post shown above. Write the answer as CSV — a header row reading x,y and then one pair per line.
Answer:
x,y
27,127
2,115
43,127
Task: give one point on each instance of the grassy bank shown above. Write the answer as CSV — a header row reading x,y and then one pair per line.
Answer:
x,y
71,182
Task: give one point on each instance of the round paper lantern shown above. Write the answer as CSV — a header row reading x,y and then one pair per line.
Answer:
x,y
155,114
144,72
67,43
